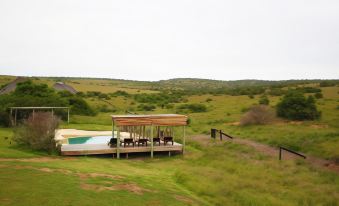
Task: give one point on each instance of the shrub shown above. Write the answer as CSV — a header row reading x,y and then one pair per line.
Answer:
x,y
146,107
104,96
80,106
65,93
326,84
169,106
318,95
193,108
295,106
208,100
264,100
276,92
120,93
38,132
308,89
4,119
258,114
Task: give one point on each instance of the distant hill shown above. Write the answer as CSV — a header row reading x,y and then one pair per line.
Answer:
x,y
106,85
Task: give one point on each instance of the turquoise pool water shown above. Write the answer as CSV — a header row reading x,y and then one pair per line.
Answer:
x,y
90,140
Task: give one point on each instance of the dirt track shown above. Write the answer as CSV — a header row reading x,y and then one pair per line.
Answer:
x,y
272,151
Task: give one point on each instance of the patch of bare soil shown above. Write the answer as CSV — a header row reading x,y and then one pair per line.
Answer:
x,y
92,175
131,187
184,199
296,122
319,126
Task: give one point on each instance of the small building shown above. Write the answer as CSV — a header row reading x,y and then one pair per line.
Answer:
x,y
60,86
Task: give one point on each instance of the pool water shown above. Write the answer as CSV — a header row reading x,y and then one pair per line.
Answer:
x,y
90,140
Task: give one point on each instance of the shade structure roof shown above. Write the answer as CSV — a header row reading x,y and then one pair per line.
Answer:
x,y
152,119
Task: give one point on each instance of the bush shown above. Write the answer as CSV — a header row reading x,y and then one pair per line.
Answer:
x,y
295,106
258,114
318,95
192,108
120,93
80,106
326,84
65,93
4,119
208,100
146,107
38,132
308,89
264,100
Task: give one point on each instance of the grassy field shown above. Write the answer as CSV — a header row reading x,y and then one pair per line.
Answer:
x,y
210,173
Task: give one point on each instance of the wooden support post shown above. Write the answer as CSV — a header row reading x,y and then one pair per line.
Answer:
x,y
118,142
11,117
220,135
279,153
33,114
16,111
126,155
184,140
152,141
67,115
112,129
169,153
52,112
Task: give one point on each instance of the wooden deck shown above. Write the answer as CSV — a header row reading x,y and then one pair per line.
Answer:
x,y
91,149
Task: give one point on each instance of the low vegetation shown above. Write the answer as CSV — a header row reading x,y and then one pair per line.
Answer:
x,y
258,115
37,132
192,108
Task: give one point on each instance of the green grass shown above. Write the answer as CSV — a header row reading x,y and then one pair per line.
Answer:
x,y
218,174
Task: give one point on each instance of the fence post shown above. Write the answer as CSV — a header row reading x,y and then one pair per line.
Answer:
x,y
213,133
279,153
220,135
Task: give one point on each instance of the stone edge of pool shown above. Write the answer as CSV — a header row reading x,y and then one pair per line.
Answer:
x,y
61,135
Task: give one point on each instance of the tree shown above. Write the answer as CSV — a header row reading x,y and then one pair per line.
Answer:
x,y
295,106
264,100
318,95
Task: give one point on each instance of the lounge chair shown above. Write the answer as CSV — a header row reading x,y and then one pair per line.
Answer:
x,y
113,142
142,142
156,139
168,139
128,141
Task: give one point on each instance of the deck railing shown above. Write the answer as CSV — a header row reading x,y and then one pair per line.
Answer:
x,y
291,151
220,132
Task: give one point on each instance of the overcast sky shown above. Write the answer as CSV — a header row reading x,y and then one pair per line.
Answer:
x,y
157,39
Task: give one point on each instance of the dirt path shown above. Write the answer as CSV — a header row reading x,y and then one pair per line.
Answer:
x,y
273,152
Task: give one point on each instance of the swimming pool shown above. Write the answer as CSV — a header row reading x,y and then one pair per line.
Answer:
x,y
89,140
